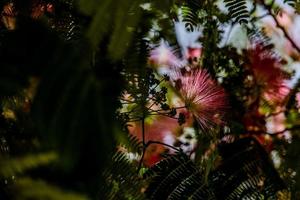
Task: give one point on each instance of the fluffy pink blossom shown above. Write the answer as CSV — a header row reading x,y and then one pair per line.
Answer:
x,y
277,95
285,18
298,100
203,97
269,76
163,55
193,53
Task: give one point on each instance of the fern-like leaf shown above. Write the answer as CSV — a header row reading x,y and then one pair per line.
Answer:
x,y
122,180
190,18
291,2
177,177
238,10
245,173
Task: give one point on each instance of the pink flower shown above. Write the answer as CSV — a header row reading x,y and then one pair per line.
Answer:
x,y
193,54
268,74
277,95
285,18
163,56
276,123
298,100
203,97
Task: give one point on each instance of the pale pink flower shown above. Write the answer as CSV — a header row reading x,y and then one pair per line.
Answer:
x,y
163,55
298,100
276,123
277,95
285,18
193,53
203,97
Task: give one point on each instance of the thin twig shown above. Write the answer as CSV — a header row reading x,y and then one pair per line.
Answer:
x,y
143,142
161,143
274,114
275,133
126,100
176,108
287,129
163,79
141,160
143,130
154,142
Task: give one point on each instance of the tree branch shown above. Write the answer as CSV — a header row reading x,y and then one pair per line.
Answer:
x,y
275,133
154,142
286,35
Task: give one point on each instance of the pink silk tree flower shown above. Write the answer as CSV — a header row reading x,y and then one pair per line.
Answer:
x,y
298,100
268,74
163,55
193,54
203,97
277,95
276,123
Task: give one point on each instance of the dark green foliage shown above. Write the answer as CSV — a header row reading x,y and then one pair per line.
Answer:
x,y
70,94
245,172
136,56
124,18
122,180
79,106
292,164
146,97
73,109
21,56
177,177
197,14
130,142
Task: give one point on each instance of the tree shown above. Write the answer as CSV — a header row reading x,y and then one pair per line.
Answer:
x,y
149,100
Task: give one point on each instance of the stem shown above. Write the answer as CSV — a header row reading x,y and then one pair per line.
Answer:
x,y
166,115
274,114
148,144
133,120
141,160
177,108
275,133
163,79
151,105
143,131
143,142
126,100
287,129
161,143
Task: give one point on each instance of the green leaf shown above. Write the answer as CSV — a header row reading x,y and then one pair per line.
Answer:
x,y
28,189
13,166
